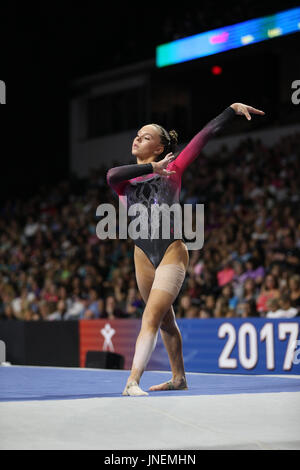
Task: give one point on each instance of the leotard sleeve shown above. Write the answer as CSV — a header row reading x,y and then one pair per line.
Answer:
x,y
193,149
118,177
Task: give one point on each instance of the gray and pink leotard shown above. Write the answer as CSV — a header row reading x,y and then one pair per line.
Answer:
x,y
129,181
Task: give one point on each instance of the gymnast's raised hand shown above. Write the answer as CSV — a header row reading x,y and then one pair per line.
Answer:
x,y
243,109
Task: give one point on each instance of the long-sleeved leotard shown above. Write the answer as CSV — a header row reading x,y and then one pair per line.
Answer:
x,y
129,181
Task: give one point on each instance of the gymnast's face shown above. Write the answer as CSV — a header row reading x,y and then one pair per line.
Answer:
x,y
147,145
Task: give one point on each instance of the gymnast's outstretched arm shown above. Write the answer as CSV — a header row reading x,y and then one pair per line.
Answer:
x,y
193,149
118,177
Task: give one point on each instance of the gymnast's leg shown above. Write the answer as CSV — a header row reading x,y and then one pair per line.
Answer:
x,y
166,282
173,343
145,344
176,255
158,304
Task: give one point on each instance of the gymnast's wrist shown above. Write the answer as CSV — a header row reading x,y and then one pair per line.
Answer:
x,y
154,166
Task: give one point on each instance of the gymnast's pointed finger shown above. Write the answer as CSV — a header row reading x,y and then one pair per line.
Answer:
x,y
255,111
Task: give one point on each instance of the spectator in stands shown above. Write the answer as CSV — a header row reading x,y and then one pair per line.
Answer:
x,y
221,307
285,311
238,279
20,304
8,313
94,307
111,310
186,309
294,291
207,310
59,313
134,303
252,270
269,290
248,309
273,306
230,298
28,314
43,309
250,291
226,274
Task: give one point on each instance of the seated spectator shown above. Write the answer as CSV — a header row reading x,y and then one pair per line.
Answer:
x,y
27,314
22,302
248,309
221,308
50,292
285,310
111,309
134,303
252,270
203,314
193,288
76,308
186,309
238,281
192,312
119,288
207,310
9,313
244,252
229,297
288,253
259,233
269,290
294,291
249,290
59,313
43,308
226,274
273,306
94,306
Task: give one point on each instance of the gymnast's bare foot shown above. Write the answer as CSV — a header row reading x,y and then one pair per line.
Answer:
x,y
132,389
171,385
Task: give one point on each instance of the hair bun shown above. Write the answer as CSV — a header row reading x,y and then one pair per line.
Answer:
x,y
174,137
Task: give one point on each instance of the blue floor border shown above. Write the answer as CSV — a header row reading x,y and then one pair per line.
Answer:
x,y
19,383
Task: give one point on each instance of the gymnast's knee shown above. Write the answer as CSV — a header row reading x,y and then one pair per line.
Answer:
x,y
151,325
169,324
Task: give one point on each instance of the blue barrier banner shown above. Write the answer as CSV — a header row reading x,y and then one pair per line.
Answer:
x,y
236,346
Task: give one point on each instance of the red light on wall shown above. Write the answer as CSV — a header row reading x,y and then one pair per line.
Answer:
x,y
216,70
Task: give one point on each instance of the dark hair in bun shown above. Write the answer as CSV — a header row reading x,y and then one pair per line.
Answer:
x,y
174,140
168,139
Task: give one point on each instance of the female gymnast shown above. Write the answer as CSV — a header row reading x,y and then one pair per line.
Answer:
x,y
160,264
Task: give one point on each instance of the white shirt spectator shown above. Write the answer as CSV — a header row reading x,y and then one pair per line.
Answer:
x,y
289,313
74,310
17,302
31,229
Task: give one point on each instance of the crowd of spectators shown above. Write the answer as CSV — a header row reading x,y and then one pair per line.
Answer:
x,y
54,267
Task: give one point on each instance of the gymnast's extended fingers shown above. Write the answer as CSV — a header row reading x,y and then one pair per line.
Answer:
x,y
255,111
168,173
169,157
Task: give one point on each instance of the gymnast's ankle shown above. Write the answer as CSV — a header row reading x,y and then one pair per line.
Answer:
x,y
133,380
179,380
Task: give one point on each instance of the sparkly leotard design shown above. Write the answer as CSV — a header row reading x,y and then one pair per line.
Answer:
x,y
129,181
155,191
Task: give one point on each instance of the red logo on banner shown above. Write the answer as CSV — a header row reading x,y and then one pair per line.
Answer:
x,y
117,336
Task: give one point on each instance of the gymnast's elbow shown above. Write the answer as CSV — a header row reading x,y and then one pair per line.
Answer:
x,y
111,176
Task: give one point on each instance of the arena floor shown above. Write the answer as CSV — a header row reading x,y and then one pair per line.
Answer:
x,y
57,408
